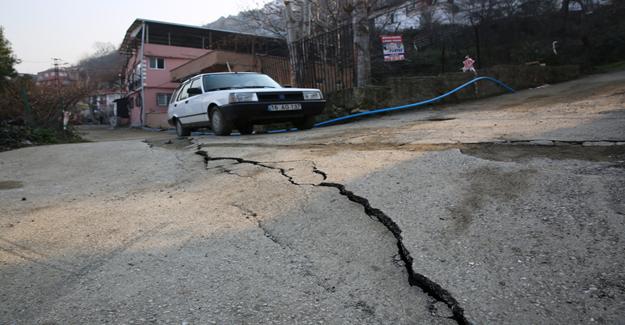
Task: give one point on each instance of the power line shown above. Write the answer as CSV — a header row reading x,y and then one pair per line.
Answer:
x,y
32,61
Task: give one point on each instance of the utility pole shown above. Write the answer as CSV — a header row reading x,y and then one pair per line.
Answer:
x,y
57,63
56,70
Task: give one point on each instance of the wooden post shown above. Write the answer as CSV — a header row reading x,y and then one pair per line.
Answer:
x,y
478,53
28,115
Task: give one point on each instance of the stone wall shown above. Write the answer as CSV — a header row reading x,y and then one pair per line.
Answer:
x,y
405,90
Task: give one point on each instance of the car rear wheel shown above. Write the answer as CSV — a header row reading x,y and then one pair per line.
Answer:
x,y
245,128
219,124
305,123
181,130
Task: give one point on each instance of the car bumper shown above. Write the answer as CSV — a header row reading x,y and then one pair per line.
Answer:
x,y
258,112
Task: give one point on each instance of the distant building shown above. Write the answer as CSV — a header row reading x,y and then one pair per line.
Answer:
x,y
156,48
56,77
27,76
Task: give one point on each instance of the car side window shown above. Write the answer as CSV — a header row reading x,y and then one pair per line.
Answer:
x,y
173,96
196,83
183,92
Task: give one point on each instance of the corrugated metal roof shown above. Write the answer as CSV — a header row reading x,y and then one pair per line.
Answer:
x,y
127,46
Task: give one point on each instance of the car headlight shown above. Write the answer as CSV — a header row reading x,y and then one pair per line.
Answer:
x,y
312,95
242,97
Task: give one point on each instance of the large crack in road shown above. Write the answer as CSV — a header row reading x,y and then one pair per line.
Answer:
x,y
601,151
428,286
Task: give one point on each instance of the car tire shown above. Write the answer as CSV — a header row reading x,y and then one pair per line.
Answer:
x,y
219,124
305,123
245,128
181,130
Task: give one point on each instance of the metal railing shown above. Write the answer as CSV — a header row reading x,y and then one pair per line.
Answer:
x,y
325,61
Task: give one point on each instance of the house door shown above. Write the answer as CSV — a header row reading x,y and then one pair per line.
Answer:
x,y
180,105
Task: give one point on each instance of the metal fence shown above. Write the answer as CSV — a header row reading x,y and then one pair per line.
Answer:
x,y
325,61
277,67
426,52
533,33
432,46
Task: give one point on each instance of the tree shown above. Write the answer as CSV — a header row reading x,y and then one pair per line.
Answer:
x,y
7,59
268,19
265,21
360,23
45,102
103,66
306,18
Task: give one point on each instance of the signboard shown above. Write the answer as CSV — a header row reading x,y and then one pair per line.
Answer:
x,y
392,47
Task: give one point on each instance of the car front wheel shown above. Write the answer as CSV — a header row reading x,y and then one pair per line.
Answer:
x,y
181,130
219,124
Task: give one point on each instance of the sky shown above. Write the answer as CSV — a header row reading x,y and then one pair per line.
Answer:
x,y
40,30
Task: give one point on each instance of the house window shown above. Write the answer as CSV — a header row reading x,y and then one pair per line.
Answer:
x,y
157,63
163,99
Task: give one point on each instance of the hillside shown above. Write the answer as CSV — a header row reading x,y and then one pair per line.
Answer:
x,y
265,21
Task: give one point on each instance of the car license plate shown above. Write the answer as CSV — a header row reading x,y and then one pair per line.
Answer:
x,y
284,107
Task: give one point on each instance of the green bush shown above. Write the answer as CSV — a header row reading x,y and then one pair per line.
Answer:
x,y
17,136
44,136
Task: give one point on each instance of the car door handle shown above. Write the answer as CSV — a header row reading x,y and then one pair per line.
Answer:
x,y
186,101
175,105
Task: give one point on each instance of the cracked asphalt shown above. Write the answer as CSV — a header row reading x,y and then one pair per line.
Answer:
x,y
505,210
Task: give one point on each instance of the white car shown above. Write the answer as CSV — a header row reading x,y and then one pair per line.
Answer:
x,y
238,100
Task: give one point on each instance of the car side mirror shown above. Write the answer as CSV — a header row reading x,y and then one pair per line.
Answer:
x,y
194,91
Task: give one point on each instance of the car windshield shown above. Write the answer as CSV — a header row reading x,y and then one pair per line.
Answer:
x,y
238,81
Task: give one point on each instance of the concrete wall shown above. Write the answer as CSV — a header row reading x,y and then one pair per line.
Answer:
x,y
405,90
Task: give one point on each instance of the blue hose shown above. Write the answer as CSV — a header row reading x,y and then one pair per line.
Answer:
x,y
397,108
424,102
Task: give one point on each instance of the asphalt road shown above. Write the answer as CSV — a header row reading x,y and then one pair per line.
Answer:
x,y
506,210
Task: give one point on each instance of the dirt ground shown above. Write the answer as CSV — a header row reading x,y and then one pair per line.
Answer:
x,y
505,210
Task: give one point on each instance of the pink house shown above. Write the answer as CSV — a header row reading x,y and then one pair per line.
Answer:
x,y
155,48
